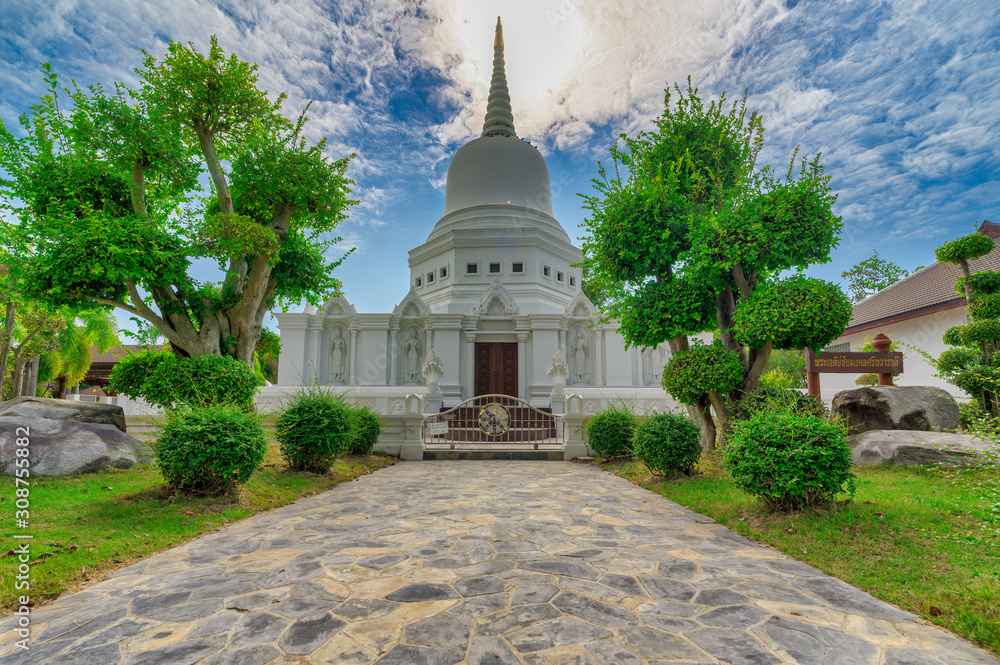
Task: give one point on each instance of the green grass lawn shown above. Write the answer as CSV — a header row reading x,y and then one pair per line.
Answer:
x,y
923,538
87,526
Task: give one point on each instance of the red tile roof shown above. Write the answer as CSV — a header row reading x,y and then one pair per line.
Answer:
x,y
929,289
116,353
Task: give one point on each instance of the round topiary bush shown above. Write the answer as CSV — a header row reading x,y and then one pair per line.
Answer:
x,y
210,450
314,429
667,443
610,431
164,380
790,460
365,429
693,372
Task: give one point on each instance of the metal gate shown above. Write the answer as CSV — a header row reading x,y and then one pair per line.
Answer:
x,y
494,421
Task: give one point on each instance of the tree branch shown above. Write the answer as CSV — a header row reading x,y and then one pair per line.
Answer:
x,y
742,283
758,361
137,189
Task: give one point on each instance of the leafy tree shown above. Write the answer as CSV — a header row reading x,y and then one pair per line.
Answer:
x,y
973,362
688,235
871,276
108,199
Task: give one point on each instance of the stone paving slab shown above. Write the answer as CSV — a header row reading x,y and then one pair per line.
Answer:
x,y
513,563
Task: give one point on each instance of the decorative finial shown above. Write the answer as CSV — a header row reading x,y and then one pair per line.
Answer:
x,y
499,117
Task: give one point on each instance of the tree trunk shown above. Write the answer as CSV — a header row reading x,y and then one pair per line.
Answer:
x,y
17,380
32,384
61,389
6,338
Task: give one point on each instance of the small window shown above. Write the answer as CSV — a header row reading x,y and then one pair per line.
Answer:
x,y
420,282
471,268
444,272
546,271
572,281
517,267
494,267
430,277
559,277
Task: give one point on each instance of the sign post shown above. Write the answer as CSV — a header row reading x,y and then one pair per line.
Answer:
x,y
881,362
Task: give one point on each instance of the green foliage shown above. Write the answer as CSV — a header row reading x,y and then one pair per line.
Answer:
x,y
972,333
366,426
210,450
790,461
105,186
684,226
164,380
667,443
777,378
610,431
985,306
965,248
691,373
791,362
314,429
981,283
776,400
796,313
871,276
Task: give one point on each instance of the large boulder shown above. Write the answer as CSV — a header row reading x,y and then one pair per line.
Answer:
x,y
29,408
909,448
917,408
66,447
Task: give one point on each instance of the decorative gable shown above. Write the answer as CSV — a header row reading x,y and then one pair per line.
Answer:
x,y
497,301
580,306
339,307
411,307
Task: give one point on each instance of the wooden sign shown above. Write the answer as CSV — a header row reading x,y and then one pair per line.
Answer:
x,y
883,362
837,362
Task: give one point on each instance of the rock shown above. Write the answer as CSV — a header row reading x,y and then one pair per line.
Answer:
x,y
919,408
61,409
60,447
902,448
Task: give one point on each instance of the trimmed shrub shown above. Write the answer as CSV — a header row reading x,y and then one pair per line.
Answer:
x,y
164,380
790,460
692,373
365,429
314,428
610,431
667,443
776,400
793,313
210,450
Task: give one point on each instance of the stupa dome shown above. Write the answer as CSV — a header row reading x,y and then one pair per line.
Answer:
x,y
498,168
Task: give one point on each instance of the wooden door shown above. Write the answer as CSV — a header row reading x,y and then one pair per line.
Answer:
x,y
496,368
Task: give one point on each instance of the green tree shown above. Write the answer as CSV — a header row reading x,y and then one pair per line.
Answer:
x,y
871,276
973,362
108,199
688,235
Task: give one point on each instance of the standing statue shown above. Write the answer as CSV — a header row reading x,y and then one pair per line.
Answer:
x,y
338,356
412,356
580,351
657,359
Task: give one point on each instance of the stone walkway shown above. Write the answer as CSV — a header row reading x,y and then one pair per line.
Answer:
x,y
479,562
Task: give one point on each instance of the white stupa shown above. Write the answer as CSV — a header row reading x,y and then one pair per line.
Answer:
x,y
493,291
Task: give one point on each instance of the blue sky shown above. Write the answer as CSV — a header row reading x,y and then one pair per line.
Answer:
x,y
901,97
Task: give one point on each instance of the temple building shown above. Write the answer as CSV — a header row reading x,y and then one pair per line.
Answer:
x,y
493,297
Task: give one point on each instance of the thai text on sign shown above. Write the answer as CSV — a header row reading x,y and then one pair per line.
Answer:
x,y
855,362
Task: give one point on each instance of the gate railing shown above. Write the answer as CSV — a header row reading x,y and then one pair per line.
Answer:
x,y
494,420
